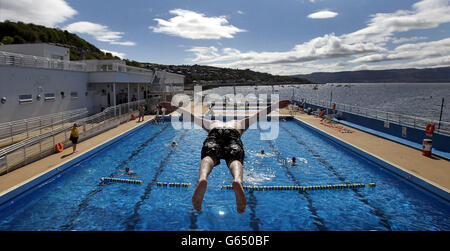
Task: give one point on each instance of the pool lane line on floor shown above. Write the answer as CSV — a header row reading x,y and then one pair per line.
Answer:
x,y
252,202
131,222
318,221
84,203
378,212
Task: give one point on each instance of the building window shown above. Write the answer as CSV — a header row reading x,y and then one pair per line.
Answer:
x,y
74,95
49,97
25,99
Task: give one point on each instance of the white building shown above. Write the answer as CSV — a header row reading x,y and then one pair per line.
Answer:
x,y
39,79
39,49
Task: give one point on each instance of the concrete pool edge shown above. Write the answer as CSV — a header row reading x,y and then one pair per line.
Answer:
x,y
28,184
421,182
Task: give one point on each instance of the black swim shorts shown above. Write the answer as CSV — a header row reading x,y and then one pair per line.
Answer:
x,y
74,140
223,143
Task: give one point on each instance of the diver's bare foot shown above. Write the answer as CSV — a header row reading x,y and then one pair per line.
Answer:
x,y
197,198
241,201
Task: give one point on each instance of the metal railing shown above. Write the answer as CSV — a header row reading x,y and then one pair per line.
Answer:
x,y
16,59
401,119
9,58
34,148
15,131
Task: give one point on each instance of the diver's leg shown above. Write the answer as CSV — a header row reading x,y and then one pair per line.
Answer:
x,y
206,166
237,172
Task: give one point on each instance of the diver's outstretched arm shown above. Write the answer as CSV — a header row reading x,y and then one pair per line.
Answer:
x,y
247,122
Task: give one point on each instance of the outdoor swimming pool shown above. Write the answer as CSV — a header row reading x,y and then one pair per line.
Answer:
x,y
76,199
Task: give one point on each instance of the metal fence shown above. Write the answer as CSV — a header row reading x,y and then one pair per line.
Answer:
x,y
9,58
16,59
34,148
401,119
15,131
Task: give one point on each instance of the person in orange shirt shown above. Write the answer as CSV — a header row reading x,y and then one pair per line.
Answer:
x,y
74,134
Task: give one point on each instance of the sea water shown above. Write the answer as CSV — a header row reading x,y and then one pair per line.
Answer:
x,y
416,99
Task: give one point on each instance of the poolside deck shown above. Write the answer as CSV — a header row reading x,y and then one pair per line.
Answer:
x,y
434,170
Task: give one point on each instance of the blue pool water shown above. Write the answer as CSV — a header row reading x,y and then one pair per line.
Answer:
x,y
76,199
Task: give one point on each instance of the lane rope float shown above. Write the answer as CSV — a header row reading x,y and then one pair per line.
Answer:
x,y
172,184
276,188
300,188
106,179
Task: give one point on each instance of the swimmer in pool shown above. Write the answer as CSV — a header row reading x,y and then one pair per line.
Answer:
x,y
224,142
129,172
294,161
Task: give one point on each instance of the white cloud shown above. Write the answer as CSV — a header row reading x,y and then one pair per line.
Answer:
x,y
115,53
429,62
204,54
42,12
328,46
322,14
410,51
426,14
422,63
100,32
363,49
407,39
193,25
124,43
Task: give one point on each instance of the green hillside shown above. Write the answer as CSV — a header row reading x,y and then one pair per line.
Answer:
x,y
215,76
21,33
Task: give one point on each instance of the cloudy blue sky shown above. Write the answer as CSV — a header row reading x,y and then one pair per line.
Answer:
x,y
276,36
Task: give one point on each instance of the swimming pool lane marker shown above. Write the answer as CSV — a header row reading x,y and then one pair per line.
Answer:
x,y
130,181
300,188
276,188
105,179
172,184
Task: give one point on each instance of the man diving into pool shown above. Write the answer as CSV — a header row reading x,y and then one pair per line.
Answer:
x,y
224,142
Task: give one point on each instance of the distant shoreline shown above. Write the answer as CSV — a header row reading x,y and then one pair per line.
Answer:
x,y
412,75
212,86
